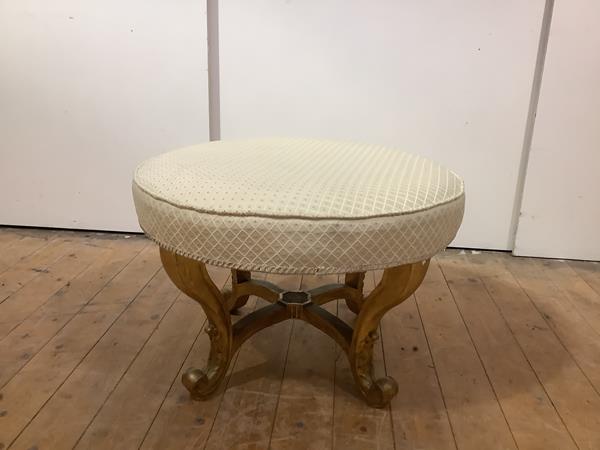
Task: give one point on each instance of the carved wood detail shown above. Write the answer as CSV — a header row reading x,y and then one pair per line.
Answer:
x,y
191,277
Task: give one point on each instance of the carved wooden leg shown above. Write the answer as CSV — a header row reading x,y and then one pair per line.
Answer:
x,y
355,280
397,284
192,278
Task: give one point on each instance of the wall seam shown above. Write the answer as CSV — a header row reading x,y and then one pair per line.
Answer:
x,y
214,92
530,124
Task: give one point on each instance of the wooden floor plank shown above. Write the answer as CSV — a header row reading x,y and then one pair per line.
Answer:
x,y
503,353
8,236
355,426
20,305
583,297
31,335
183,423
573,330
420,419
304,416
247,410
476,417
124,419
532,418
72,407
127,414
34,384
570,391
589,271
32,266
17,248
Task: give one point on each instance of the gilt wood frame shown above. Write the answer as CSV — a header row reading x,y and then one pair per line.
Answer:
x,y
192,278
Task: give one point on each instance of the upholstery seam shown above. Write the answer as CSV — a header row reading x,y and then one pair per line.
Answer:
x,y
305,218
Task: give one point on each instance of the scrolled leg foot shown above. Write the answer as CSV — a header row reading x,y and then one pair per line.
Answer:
x,y
202,383
192,278
381,392
397,284
196,382
377,391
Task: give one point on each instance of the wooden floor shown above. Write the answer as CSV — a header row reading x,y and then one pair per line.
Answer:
x,y
492,352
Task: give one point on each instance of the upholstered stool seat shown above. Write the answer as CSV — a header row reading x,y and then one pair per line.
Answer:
x,y
298,207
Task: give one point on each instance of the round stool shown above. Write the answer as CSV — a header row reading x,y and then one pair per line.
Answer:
x,y
296,206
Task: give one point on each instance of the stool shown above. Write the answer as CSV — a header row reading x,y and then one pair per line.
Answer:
x,y
296,206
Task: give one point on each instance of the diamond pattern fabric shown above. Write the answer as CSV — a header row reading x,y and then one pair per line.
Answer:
x,y
298,205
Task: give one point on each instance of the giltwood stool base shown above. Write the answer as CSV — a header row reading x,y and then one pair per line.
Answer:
x,y
192,278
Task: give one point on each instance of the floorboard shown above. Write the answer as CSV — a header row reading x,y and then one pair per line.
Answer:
x,y
180,422
304,416
562,316
75,403
491,352
16,247
566,385
249,406
354,426
419,413
24,341
31,388
589,272
529,412
476,417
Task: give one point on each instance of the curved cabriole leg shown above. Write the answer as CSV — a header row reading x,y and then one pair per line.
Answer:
x,y
396,285
192,278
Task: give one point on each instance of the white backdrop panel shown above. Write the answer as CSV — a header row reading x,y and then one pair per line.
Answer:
x,y
560,213
449,80
87,90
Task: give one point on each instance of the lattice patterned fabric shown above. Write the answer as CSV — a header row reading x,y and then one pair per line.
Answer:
x,y
298,205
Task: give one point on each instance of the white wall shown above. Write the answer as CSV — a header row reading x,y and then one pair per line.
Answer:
x,y
449,80
87,90
560,212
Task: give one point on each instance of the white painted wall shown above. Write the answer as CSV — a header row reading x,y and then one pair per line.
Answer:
x,y
449,80
560,212
87,90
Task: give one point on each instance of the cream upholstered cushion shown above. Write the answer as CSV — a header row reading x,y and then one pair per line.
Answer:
x,y
297,205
